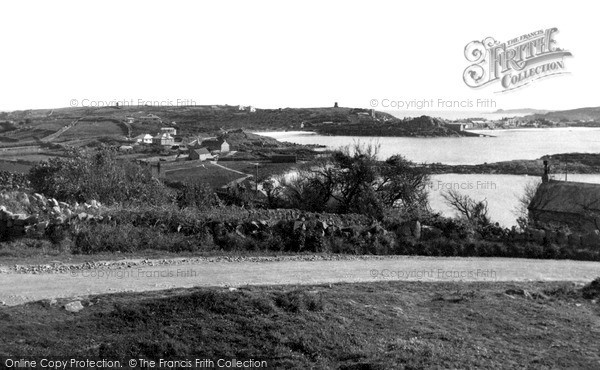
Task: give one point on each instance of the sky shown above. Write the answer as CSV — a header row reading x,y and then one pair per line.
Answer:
x,y
272,54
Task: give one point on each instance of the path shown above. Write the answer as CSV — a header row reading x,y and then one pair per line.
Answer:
x,y
236,181
19,288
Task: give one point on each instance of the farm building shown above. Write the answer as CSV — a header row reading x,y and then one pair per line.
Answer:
x,y
456,126
248,108
572,204
169,130
201,154
219,145
195,144
143,139
163,139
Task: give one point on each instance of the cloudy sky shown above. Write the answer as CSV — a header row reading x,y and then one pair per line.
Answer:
x,y
279,53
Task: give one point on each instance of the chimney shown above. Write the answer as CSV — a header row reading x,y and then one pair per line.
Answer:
x,y
545,175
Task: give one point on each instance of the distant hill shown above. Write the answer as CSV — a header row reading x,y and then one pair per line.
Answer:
x,y
522,111
571,115
214,120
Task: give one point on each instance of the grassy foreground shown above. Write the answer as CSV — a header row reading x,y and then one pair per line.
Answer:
x,y
348,326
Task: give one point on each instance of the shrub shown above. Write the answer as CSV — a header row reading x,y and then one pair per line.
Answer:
x,y
84,176
195,194
591,290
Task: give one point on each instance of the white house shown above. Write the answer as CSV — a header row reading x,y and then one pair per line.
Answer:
x,y
143,139
163,139
169,130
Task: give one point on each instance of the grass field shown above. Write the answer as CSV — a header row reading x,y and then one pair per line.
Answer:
x,y
93,129
207,173
347,326
265,169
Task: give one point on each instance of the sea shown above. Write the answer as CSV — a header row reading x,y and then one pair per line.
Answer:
x,y
500,191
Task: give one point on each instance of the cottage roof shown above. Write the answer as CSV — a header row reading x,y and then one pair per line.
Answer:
x,y
566,197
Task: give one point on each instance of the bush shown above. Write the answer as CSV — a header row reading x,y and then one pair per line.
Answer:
x,y
592,290
195,194
85,176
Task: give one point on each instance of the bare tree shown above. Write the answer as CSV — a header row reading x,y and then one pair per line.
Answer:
x,y
524,199
472,210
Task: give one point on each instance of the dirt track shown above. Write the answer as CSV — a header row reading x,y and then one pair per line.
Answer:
x,y
16,288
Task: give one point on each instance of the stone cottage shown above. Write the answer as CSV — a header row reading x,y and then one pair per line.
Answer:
x,y
568,203
201,154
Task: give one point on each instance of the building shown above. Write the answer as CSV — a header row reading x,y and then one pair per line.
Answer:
x,y
169,130
150,118
219,145
201,154
249,109
195,144
163,139
143,139
129,120
567,203
456,126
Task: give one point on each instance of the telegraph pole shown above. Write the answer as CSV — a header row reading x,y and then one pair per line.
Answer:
x,y
256,179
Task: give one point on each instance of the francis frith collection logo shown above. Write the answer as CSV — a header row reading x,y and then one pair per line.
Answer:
x,y
516,62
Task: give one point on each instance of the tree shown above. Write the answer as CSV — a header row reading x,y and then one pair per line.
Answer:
x,y
474,211
353,180
523,202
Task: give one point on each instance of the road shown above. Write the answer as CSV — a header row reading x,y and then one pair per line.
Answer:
x,y
17,288
236,181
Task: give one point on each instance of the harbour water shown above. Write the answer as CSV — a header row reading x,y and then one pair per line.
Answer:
x,y
500,191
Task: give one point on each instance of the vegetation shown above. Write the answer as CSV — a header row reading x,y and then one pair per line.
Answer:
x,y
475,212
583,163
418,126
380,325
379,198
353,180
85,176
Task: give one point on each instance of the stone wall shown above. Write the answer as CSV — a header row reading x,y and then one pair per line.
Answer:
x,y
158,169
46,213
